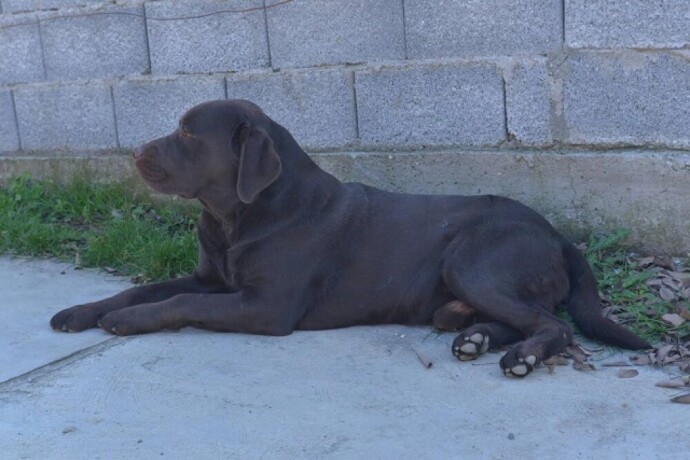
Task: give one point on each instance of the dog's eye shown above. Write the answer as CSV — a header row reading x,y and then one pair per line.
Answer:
x,y
184,132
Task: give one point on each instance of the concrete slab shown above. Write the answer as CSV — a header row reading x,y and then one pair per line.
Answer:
x,y
350,393
32,291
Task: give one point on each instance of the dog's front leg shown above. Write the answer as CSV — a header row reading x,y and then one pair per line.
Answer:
x,y
86,316
236,312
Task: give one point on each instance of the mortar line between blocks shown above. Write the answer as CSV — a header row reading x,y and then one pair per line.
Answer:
x,y
404,25
354,97
268,38
506,132
148,44
49,368
112,104
563,23
16,119
43,53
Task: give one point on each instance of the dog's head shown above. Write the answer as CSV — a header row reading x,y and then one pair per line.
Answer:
x,y
219,147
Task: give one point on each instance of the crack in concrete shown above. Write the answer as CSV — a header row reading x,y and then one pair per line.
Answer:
x,y
14,383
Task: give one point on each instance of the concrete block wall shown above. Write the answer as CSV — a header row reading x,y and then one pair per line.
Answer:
x,y
384,76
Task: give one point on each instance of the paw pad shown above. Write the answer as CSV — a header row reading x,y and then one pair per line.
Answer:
x,y
467,348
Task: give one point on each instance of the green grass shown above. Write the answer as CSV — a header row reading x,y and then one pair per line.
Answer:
x,y
623,283
113,226
98,225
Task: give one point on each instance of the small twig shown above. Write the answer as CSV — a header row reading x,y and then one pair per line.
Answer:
x,y
423,358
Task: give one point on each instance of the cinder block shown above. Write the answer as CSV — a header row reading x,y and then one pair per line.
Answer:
x,y
527,103
14,6
70,116
441,105
447,28
317,107
20,51
627,24
218,43
149,108
9,139
308,33
99,45
627,98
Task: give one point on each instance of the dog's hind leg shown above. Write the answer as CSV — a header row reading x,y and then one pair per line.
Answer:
x,y
500,297
453,316
482,337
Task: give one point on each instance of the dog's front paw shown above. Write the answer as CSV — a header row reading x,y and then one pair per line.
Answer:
x,y
518,363
130,321
470,344
76,319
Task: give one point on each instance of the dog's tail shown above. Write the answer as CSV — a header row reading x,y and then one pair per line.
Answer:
x,y
584,305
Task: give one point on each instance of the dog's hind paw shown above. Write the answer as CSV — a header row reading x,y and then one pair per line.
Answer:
x,y
515,365
468,347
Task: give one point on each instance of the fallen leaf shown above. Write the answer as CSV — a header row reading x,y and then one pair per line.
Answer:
x,y
583,366
665,262
557,360
641,360
627,373
673,319
682,399
684,313
662,351
676,383
666,294
577,353
646,261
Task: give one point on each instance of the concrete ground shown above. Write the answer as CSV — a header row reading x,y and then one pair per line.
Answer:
x,y
349,393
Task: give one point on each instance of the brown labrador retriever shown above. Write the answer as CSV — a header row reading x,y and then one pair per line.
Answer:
x,y
286,246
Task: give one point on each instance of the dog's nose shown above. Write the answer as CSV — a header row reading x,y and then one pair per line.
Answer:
x,y
138,152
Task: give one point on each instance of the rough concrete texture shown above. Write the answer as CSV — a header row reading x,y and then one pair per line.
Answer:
x,y
9,138
218,43
446,28
70,116
627,97
527,103
645,191
20,52
306,33
348,393
149,108
317,107
431,106
61,168
14,6
627,23
92,46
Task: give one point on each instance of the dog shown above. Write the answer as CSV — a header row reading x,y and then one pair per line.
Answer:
x,y
285,246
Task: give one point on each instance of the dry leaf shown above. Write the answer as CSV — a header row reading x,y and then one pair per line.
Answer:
x,y
627,373
662,351
665,262
556,360
684,313
676,383
646,261
641,360
682,399
673,319
577,353
583,366
666,294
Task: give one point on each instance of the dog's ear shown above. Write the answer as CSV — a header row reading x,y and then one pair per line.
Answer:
x,y
259,165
